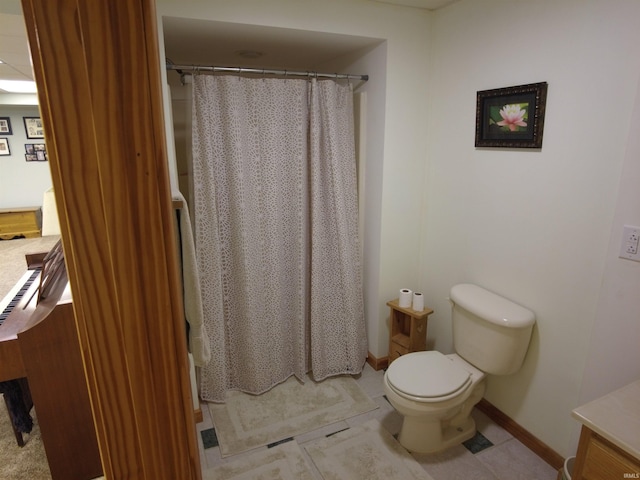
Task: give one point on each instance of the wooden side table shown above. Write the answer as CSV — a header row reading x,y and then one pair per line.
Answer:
x,y
408,330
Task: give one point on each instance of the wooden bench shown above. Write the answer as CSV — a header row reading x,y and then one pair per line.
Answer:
x,y
19,222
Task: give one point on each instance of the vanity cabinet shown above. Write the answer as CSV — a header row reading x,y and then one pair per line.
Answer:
x,y
408,329
609,446
599,459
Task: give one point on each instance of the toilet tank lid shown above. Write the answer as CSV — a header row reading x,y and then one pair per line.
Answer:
x,y
491,307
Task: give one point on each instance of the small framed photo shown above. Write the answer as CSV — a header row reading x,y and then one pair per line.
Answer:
x,y
4,147
30,157
511,117
5,126
33,127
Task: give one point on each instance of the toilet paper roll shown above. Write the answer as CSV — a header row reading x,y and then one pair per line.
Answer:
x,y
404,300
418,301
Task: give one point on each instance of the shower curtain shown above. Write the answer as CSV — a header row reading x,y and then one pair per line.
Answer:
x,y
276,231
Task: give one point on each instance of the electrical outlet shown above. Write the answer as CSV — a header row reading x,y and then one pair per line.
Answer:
x,y
629,244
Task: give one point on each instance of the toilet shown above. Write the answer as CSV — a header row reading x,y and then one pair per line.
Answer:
x,y
435,393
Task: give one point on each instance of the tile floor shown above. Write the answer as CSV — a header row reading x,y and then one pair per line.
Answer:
x,y
492,455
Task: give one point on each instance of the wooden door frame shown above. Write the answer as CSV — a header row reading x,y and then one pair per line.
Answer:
x,y
97,67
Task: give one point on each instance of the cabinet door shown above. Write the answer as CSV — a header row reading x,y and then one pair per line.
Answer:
x,y
598,459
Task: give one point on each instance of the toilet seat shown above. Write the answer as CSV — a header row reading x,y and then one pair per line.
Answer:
x,y
427,377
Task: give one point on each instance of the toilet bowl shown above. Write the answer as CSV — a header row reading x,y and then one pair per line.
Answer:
x,y
435,394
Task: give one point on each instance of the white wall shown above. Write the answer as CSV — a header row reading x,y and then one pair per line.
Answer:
x,y
396,124
539,227
22,183
614,357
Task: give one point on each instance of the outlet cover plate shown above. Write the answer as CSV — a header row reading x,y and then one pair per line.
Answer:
x,y
629,246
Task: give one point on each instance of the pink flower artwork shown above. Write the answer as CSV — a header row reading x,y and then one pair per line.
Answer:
x,y
512,117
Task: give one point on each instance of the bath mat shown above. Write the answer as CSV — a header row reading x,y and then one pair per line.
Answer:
x,y
284,462
248,421
366,452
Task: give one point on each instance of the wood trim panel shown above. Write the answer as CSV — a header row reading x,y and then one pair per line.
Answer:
x,y
97,69
524,436
377,363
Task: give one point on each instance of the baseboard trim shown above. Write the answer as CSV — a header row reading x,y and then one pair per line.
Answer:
x,y
198,416
520,433
377,363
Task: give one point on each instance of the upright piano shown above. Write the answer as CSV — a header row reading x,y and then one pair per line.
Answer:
x,y
39,343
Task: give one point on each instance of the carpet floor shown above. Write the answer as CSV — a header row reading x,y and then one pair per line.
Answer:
x,y
21,463
12,258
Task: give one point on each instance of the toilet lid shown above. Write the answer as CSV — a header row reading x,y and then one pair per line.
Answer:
x,y
427,375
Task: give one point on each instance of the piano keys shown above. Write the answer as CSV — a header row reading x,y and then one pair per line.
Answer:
x,y
15,294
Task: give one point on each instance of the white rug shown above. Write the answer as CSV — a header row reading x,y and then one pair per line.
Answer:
x,y
367,452
248,421
283,462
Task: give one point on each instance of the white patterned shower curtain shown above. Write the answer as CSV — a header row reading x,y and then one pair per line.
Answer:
x,y
276,231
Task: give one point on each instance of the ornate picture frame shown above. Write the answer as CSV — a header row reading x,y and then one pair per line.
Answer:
x,y
511,117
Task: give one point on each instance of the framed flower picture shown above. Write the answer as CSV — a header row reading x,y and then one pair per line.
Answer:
x,y
511,117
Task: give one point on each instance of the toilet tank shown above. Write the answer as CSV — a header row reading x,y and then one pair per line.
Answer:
x,y
489,331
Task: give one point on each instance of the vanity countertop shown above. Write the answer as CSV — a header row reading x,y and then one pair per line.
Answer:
x,y
616,417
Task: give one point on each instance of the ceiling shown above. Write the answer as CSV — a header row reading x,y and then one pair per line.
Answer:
x,y
204,42
194,41
14,49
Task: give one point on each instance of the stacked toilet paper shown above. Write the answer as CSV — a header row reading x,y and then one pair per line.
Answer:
x,y
409,299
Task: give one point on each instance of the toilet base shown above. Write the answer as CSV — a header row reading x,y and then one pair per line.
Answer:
x,y
421,436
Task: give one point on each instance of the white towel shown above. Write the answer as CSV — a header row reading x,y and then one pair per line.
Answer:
x,y
199,344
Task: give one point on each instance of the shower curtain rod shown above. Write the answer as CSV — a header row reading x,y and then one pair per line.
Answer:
x,y
190,69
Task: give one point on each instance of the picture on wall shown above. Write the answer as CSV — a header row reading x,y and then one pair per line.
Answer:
x,y
35,152
511,117
33,127
4,147
5,126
